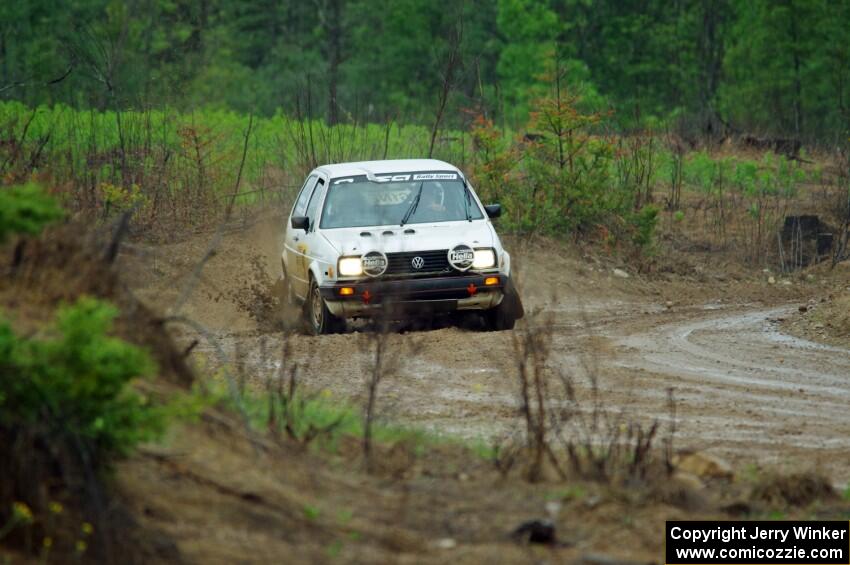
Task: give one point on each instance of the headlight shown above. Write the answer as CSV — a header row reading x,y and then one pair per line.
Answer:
x,y
484,259
350,267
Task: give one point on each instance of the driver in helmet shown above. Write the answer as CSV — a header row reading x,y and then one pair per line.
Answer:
x,y
434,197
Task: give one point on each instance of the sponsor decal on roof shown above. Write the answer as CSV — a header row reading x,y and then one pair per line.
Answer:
x,y
436,176
400,177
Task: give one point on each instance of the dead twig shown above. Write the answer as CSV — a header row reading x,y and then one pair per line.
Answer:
x,y
223,361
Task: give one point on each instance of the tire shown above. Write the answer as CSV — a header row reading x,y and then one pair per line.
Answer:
x,y
504,316
317,318
499,319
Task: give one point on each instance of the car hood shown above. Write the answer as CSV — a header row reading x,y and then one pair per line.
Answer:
x,y
393,239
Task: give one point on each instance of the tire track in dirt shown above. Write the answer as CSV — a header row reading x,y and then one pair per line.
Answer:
x,y
744,390
748,389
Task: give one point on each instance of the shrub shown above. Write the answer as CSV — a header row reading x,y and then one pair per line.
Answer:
x,y
565,178
74,386
644,222
26,209
569,168
117,200
67,412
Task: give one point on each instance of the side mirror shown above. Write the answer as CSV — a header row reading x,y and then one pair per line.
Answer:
x,y
493,210
300,222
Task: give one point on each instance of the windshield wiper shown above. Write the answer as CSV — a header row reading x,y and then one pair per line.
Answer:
x,y
466,197
413,204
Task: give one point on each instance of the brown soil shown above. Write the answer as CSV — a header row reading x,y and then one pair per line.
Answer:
x,y
745,390
825,318
67,262
221,500
767,402
313,507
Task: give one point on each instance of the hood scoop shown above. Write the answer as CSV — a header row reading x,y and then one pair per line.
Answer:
x,y
388,232
409,231
365,234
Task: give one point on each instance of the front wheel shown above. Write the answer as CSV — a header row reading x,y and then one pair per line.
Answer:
x,y
499,318
504,316
318,318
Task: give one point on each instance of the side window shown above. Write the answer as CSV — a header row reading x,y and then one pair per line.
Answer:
x,y
304,196
313,207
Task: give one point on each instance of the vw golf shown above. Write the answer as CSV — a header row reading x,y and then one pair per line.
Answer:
x,y
396,238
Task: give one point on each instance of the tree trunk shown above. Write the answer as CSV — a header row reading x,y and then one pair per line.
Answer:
x,y
798,87
452,61
333,28
711,49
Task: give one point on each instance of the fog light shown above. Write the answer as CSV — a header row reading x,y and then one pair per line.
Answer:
x,y
346,291
490,281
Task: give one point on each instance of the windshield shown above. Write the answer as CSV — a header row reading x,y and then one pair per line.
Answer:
x,y
400,199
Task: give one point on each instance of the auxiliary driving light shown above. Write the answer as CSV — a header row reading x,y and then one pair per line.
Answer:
x,y
490,281
346,291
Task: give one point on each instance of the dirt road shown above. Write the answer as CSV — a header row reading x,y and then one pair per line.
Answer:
x,y
744,390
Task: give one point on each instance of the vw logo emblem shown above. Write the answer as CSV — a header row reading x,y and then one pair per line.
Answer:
x,y
417,263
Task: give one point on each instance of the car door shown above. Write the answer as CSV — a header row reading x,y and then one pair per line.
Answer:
x,y
311,245
294,244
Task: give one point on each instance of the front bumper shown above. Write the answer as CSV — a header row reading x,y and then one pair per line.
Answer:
x,y
414,295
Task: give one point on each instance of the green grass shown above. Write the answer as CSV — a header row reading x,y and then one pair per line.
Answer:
x,y
323,411
344,516
312,513
172,167
571,492
182,150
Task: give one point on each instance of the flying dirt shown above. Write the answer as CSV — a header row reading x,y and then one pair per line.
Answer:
x,y
744,390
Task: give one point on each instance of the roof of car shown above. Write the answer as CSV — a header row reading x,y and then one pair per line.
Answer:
x,y
385,167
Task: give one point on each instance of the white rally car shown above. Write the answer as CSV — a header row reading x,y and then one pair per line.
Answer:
x,y
395,238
